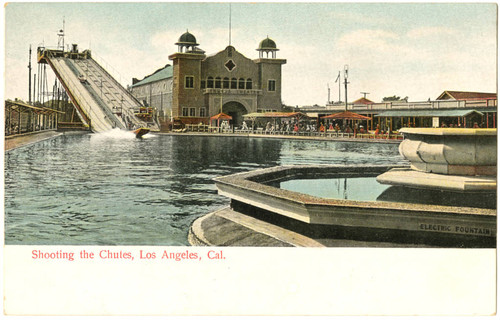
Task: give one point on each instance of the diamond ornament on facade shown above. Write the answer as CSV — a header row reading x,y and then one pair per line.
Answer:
x,y
230,65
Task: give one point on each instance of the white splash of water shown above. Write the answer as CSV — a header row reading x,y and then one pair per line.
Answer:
x,y
149,136
115,133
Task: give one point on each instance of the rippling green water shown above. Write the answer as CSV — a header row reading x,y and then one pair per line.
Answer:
x,y
112,189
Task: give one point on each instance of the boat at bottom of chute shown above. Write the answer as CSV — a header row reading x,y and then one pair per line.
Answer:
x,y
140,132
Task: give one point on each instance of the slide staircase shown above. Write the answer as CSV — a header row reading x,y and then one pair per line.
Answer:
x,y
102,103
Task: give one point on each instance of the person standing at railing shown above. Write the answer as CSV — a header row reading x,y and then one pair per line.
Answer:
x,y
244,126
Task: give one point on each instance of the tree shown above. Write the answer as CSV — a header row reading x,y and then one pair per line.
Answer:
x,y
394,98
286,108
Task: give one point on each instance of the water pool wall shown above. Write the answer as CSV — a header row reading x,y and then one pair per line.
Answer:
x,y
253,192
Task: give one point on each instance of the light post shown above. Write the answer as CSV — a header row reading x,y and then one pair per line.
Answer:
x,y
346,74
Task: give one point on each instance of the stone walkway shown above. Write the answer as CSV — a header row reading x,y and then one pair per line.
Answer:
x,y
226,227
17,141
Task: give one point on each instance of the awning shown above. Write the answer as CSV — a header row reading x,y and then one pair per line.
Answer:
x,y
18,105
348,115
221,116
428,113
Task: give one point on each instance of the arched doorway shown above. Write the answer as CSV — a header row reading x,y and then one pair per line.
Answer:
x,y
235,110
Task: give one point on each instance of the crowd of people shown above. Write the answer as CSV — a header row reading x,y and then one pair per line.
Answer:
x,y
294,126
459,125
302,126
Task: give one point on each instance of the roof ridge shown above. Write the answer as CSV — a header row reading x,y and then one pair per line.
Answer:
x,y
157,76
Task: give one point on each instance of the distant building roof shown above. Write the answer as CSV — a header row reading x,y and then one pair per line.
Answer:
x,y
160,74
275,115
428,113
465,95
363,101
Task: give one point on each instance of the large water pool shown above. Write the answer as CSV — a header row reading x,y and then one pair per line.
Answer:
x,y
113,189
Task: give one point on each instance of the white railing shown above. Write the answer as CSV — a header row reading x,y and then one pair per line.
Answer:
x,y
437,104
231,91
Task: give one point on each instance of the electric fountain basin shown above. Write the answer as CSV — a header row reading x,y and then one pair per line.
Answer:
x,y
360,207
447,159
451,151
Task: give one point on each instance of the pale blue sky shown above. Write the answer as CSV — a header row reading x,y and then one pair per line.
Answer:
x,y
415,50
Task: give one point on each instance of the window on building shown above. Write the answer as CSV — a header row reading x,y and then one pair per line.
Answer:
x,y
234,83
210,82
241,83
217,83
249,84
229,65
189,82
202,84
185,112
203,112
226,83
192,112
271,85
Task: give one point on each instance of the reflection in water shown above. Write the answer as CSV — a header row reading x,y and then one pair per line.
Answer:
x,y
113,189
368,189
362,189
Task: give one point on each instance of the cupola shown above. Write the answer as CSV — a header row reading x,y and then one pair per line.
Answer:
x,y
186,42
267,46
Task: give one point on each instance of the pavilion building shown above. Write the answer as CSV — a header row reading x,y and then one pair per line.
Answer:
x,y
197,86
463,109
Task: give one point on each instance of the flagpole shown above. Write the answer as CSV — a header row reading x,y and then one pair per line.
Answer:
x,y
338,78
328,101
339,86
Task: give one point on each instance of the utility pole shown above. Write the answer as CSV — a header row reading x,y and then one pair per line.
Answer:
x,y
38,83
337,80
328,93
34,89
346,74
29,79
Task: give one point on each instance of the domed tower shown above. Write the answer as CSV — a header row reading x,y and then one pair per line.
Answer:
x,y
186,41
187,96
267,45
269,76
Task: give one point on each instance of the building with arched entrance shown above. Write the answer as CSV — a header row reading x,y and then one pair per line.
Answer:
x,y
204,85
